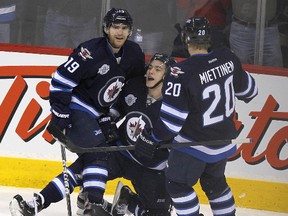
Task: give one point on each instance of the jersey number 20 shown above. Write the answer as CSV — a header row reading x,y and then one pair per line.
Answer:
x,y
215,91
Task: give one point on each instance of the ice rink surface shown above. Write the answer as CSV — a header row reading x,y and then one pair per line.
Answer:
x,y
60,209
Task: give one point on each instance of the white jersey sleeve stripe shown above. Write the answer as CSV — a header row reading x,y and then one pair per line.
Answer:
x,y
56,89
249,86
86,106
182,115
63,80
172,127
206,149
254,92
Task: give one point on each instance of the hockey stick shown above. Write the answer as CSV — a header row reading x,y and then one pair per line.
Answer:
x,y
66,180
77,149
65,174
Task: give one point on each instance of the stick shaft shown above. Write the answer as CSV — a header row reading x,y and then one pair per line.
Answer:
x,y
66,180
57,134
78,149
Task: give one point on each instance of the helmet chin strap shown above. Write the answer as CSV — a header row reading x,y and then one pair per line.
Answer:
x,y
157,84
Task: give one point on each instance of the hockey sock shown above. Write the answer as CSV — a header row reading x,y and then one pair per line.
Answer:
x,y
55,190
94,182
224,204
184,198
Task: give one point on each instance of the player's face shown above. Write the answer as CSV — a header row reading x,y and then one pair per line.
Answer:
x,y
118,34
155,72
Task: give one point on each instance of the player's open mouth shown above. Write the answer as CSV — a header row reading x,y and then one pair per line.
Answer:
x,y
150,78
119,38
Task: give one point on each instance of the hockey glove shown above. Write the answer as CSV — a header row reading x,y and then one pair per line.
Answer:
x,y
109,129
145,145
60,120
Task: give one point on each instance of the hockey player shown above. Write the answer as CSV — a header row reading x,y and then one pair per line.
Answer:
x,y
140,103
199,105
81,93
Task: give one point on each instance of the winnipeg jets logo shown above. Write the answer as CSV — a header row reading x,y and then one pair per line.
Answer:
x,y
176,71
113,91
135,127
130,99
85,54
110,91
104,69
134,123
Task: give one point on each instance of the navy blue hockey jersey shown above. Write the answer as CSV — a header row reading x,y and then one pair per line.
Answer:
x,y
132,104
199,102
92,77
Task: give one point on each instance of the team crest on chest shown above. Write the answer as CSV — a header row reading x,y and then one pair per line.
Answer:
x,y
136,121
130,99
103,69
110,91
113,90
135,126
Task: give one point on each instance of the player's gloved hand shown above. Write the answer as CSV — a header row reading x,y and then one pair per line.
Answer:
x,y
109,128
60,120
145,145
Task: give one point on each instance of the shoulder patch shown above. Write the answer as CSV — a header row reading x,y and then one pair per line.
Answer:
x,y
103,69
130,99
176,71
85,54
